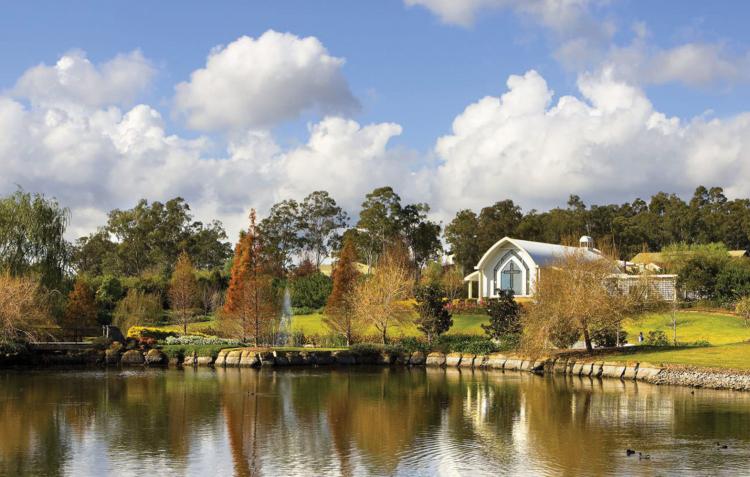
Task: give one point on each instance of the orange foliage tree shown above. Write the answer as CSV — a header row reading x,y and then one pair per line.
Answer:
x,y
340,316
252,303
81,310
183,290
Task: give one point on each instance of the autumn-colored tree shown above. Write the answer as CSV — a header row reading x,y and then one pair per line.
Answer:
x,y
743,309
81,310
22,308
575,294
381,300
183,290
452,282
340,316
252,303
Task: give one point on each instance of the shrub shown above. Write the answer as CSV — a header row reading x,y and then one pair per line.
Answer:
x,y
607,337
140,332
366,349
199,340
464,344
480,347
505,316
412,344
657,338
466,307
394,349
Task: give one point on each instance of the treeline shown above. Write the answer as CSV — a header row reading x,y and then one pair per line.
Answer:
x,y
629,228
125,271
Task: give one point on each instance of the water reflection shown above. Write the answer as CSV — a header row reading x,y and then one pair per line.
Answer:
x,y
361,421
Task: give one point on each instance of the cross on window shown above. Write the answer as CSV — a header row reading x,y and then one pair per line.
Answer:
x,y
510,278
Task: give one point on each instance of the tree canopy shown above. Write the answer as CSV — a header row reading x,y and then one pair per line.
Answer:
x,y
151,236
32,237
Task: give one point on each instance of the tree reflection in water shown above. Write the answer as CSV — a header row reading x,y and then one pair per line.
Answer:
x,y
359,421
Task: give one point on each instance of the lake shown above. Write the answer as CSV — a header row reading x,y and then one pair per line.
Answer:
x,y
362,421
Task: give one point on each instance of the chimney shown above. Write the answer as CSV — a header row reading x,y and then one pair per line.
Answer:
x,y
586,242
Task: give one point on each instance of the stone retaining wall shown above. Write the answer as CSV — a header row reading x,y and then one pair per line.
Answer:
x,y
563,365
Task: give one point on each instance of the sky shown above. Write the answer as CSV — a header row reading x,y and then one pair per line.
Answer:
x,y
457,103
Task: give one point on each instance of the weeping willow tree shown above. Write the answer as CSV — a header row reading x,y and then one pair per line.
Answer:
x,y
32,242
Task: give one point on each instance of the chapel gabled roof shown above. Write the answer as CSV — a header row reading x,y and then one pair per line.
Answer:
x,y
542,253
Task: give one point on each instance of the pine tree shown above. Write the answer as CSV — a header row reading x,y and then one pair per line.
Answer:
x,y
183,290
81,309
252,304
340,315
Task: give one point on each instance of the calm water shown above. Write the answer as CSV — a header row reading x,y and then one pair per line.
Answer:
x,y
362,422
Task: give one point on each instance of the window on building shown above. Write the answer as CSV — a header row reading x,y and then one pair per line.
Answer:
x,y
511,278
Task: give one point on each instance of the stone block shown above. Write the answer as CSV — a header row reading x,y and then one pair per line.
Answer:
x,y
467,361
496,361
233,358
513,364
435,359
249,359
453,359
630,371
132,358
647,371
417,358
612,370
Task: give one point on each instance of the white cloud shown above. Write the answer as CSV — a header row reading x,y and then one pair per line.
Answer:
x,y
694,64
75,82
345,159
610,144
559,15
96,159
256,83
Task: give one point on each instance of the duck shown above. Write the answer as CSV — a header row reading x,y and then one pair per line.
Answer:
x,y
643,456
629,452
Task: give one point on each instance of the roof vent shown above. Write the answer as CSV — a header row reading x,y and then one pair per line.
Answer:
x,y
586,242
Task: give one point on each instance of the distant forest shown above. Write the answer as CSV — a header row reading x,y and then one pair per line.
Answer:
x,y
627,229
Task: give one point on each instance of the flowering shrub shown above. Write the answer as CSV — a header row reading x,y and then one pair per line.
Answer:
x,y
466,307
200,340
140,332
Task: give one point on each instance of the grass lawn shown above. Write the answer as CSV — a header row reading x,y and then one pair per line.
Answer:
x,y
200,326
716,328
462,324
730,356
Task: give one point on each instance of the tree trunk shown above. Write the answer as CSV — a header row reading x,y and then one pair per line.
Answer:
x,y
385,335
184,324
587,339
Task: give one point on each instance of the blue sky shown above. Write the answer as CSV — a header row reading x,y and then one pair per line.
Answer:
x,y
402,62
418,66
